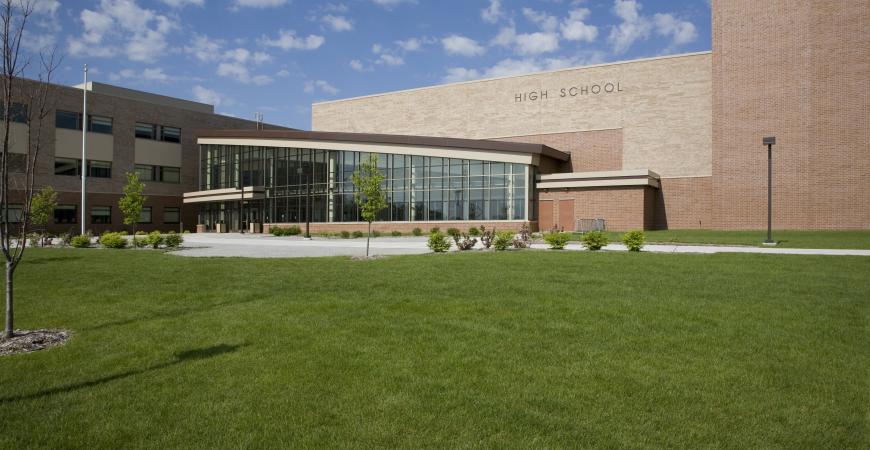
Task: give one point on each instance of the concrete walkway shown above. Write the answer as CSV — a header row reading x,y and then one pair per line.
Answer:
x,y
267,246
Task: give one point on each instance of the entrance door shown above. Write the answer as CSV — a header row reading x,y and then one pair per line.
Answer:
x,y
566,215
545,215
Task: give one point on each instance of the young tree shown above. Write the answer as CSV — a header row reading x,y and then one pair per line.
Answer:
x,y
42,209
369,193
132,201
24,103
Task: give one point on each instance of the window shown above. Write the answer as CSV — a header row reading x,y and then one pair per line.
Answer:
x,y
171,214
19,113
100,169
65,214
101,214
66,166
14,213
170,134
146,130
66,119
100,124
170,174
145,215
145,172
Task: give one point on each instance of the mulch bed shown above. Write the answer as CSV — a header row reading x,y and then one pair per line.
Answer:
x,y
26,341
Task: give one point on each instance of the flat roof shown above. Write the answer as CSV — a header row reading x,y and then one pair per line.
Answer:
x,y
397,139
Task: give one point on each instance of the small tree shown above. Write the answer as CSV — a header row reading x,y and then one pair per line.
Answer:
x,y
42,209
132,201
369,193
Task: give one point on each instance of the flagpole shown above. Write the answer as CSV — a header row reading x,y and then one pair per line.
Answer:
x,y
84,168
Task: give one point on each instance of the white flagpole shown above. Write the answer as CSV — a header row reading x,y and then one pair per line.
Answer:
x,y
84,147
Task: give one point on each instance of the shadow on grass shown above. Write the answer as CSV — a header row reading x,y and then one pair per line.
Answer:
x,y
50,259
180,357
171,313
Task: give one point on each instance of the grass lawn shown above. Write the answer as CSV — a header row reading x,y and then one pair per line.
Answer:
x,y
520,349
849,239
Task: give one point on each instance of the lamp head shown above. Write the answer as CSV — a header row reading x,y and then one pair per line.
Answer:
x,y
769,140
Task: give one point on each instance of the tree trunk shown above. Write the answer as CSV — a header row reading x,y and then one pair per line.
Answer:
x,y
10,269
368,238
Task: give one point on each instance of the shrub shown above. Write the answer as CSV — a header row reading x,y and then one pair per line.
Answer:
x,y
473,231
65,239
173,240
594,240
376,233
276,231
34,239
524,239
557,240
634,240
465,242
112,240
293,230
486,237
438,242
417,232
503,240
154,239
140,241
140,233
396,233
434,230
357,234
81,241
345,234
454,233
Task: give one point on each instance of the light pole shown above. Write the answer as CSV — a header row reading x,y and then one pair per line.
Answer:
x,y
769,142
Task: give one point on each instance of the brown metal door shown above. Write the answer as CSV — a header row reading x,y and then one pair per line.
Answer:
x,y
566,215
545,215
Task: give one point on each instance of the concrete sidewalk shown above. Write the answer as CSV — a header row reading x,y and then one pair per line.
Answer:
x,y
267,246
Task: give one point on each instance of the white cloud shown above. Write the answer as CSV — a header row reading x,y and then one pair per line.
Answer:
x,y
512,67
337,23
288,40
543,20
455,74
205,95
321,86
149,74
636,26
493,12
204,49
240,73
258,3
505,37
48,7
283,73
377,48
390,60
358,65
574,29
389,4
461,45
244,56
122,27
536,43
410,45
183,3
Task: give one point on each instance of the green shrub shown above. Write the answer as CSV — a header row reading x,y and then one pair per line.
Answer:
x,y
358,234
81,241
140,241
634,240
345,234
454,233
376,233
557,240
276,231
434,230
112,240
396,233
474,232
594,240
140,233
438,242
293,230
503,240
173,240
417,232
154,239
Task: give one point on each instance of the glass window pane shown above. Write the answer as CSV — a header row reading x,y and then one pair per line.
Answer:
x,y
66,166
171,214
66,119
145,215
65,214
100,124
170,174
101,214
100,169
171,134
145,172
145,131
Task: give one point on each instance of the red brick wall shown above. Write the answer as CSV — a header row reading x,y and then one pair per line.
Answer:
x,y
799,71
682,203
624,208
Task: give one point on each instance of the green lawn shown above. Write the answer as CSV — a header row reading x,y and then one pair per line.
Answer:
x,y
851,239
513,350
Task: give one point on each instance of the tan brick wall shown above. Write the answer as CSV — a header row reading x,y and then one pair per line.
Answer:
x,y
626,208
664,110
799,71
590,150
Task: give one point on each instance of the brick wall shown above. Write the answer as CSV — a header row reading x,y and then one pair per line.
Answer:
x,y
682,203
624,208
799,71
590,150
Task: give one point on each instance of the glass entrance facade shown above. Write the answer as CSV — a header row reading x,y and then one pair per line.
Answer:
x,y
418,188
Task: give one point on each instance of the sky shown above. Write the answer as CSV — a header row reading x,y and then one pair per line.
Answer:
x,y
276,57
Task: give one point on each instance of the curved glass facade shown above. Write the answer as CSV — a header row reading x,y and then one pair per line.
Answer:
x,y
418,188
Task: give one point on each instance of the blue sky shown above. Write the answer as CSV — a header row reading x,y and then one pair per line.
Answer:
x,y
276,57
